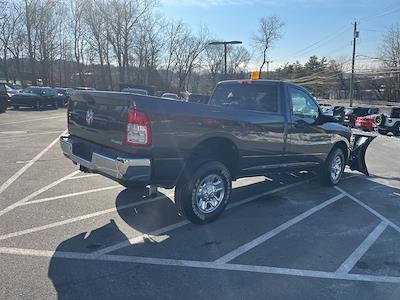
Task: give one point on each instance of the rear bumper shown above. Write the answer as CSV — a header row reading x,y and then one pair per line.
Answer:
x,y
117,167
364,126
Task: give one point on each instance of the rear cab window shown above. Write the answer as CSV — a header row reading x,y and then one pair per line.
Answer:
x,y
247,95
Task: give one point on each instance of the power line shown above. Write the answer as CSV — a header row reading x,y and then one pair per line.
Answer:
x,y
325,39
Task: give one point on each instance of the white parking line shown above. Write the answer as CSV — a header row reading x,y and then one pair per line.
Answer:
x,y
32,120
158,231
141,238
83,176
351,261
21,171
72,194
197,264
37,193
80,218
163,230
24,135
266,236
371,210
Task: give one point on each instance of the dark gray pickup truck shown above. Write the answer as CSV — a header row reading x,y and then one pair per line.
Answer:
x,y
248,128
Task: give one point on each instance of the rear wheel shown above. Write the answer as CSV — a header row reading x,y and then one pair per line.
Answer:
x,y
203,192
381,131
37,105
16,107
396,130
333,168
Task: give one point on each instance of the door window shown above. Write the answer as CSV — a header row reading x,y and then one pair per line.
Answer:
x,y
303,105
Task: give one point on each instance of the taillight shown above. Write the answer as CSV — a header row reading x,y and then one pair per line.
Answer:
x,y
138,132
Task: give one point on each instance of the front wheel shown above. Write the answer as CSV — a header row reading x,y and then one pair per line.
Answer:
x,y
333,168
396,130
203,192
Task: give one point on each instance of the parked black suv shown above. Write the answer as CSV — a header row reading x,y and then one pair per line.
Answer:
x,y
35,97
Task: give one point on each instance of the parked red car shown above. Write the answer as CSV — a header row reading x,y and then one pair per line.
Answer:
x,y
366,123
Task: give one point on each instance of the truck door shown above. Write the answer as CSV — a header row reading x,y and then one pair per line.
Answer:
x,y
308,143
258,122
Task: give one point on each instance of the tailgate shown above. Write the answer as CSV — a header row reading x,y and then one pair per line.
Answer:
x,y
99,117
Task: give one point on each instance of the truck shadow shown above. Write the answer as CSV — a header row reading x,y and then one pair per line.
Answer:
x,y
75,278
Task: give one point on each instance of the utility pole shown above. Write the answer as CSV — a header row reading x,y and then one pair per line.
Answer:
x,y
355,36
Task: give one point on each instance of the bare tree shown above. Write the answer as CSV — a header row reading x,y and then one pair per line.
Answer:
x,y
8,22
78,32
238,59
269,32
190,47
214,60
173,33
96,37
122,17
46,28
30,17
390,55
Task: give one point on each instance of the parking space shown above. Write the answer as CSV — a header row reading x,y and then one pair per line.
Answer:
x,y
76,236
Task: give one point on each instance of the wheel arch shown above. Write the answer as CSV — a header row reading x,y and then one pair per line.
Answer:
x,y
221,149
342,145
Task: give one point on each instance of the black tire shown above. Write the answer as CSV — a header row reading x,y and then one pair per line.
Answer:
x,y
37,105
133,186
381,131
327,176
188,189
55,104
396,130
380,119
3,107
16,107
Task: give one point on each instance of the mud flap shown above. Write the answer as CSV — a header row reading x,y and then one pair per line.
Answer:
x,y
360,143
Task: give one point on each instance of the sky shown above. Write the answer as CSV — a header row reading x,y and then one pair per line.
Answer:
x,y
312,27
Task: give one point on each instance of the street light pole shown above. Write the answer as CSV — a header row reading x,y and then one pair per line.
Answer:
x,y
225,61
268,62
225,51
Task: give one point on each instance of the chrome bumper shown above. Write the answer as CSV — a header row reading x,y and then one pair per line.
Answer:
x,y
120,168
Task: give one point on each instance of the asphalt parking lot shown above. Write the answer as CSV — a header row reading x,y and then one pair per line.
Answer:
x,y
69,235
